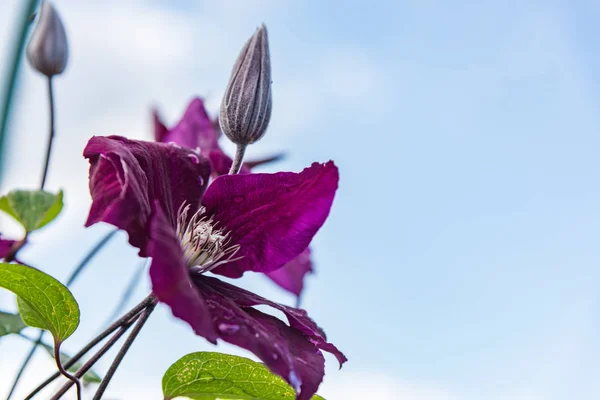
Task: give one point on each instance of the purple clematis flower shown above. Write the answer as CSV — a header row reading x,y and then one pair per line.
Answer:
x,y
197,130
255,222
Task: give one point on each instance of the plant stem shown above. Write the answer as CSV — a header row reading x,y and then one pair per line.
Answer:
x,y
126,319
237,161
76,271
83,263
23,366
64,372
51,134
128,291
12,72
85,367
113,368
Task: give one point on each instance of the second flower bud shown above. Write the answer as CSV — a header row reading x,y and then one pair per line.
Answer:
x,y
246,106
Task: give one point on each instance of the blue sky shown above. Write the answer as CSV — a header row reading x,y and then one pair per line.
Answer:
x,y
460,260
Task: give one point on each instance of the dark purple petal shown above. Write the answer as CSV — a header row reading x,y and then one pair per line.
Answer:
x,y
288,351
297,318
255,163
160,130
7,247
128,176
195,129
291,276
273,217
170,277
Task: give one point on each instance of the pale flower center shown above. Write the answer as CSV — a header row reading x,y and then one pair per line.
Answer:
x,y
204,246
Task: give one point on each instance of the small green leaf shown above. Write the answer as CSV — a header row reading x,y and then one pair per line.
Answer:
x,y
32,209
10,323
88,377
211,376
43,301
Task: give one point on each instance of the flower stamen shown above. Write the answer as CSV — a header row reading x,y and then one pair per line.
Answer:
x,y
204,246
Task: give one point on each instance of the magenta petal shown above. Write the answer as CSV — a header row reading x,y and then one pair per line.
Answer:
x,y
6,247
195,129
128,176
291,276
273,217
170,278
160,130
255,163
286,350
297,318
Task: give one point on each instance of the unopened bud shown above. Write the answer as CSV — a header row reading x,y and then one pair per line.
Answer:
x,y
48,50
246,106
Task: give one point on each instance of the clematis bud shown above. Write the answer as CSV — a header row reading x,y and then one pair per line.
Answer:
x,y
246,106
48,50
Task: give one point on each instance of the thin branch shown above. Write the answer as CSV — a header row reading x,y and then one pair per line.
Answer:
x,y
135,279
128,318
24,365
132,336
85,367
83,263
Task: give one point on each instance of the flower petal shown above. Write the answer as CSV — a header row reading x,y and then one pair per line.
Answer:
x,y
170,278
160,130
195,129
291,276
255,163
127,176
286,350
7,247
273,217
297,318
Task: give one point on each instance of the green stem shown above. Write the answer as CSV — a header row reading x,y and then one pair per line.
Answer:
x,y
64,372
13,72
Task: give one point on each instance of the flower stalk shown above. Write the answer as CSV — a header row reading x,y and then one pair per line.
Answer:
x,y
51,133
130,339
126,320
236,165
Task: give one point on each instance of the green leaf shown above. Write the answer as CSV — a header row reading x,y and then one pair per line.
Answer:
x,y
88,377
211,376
43,301
32,209
10,323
